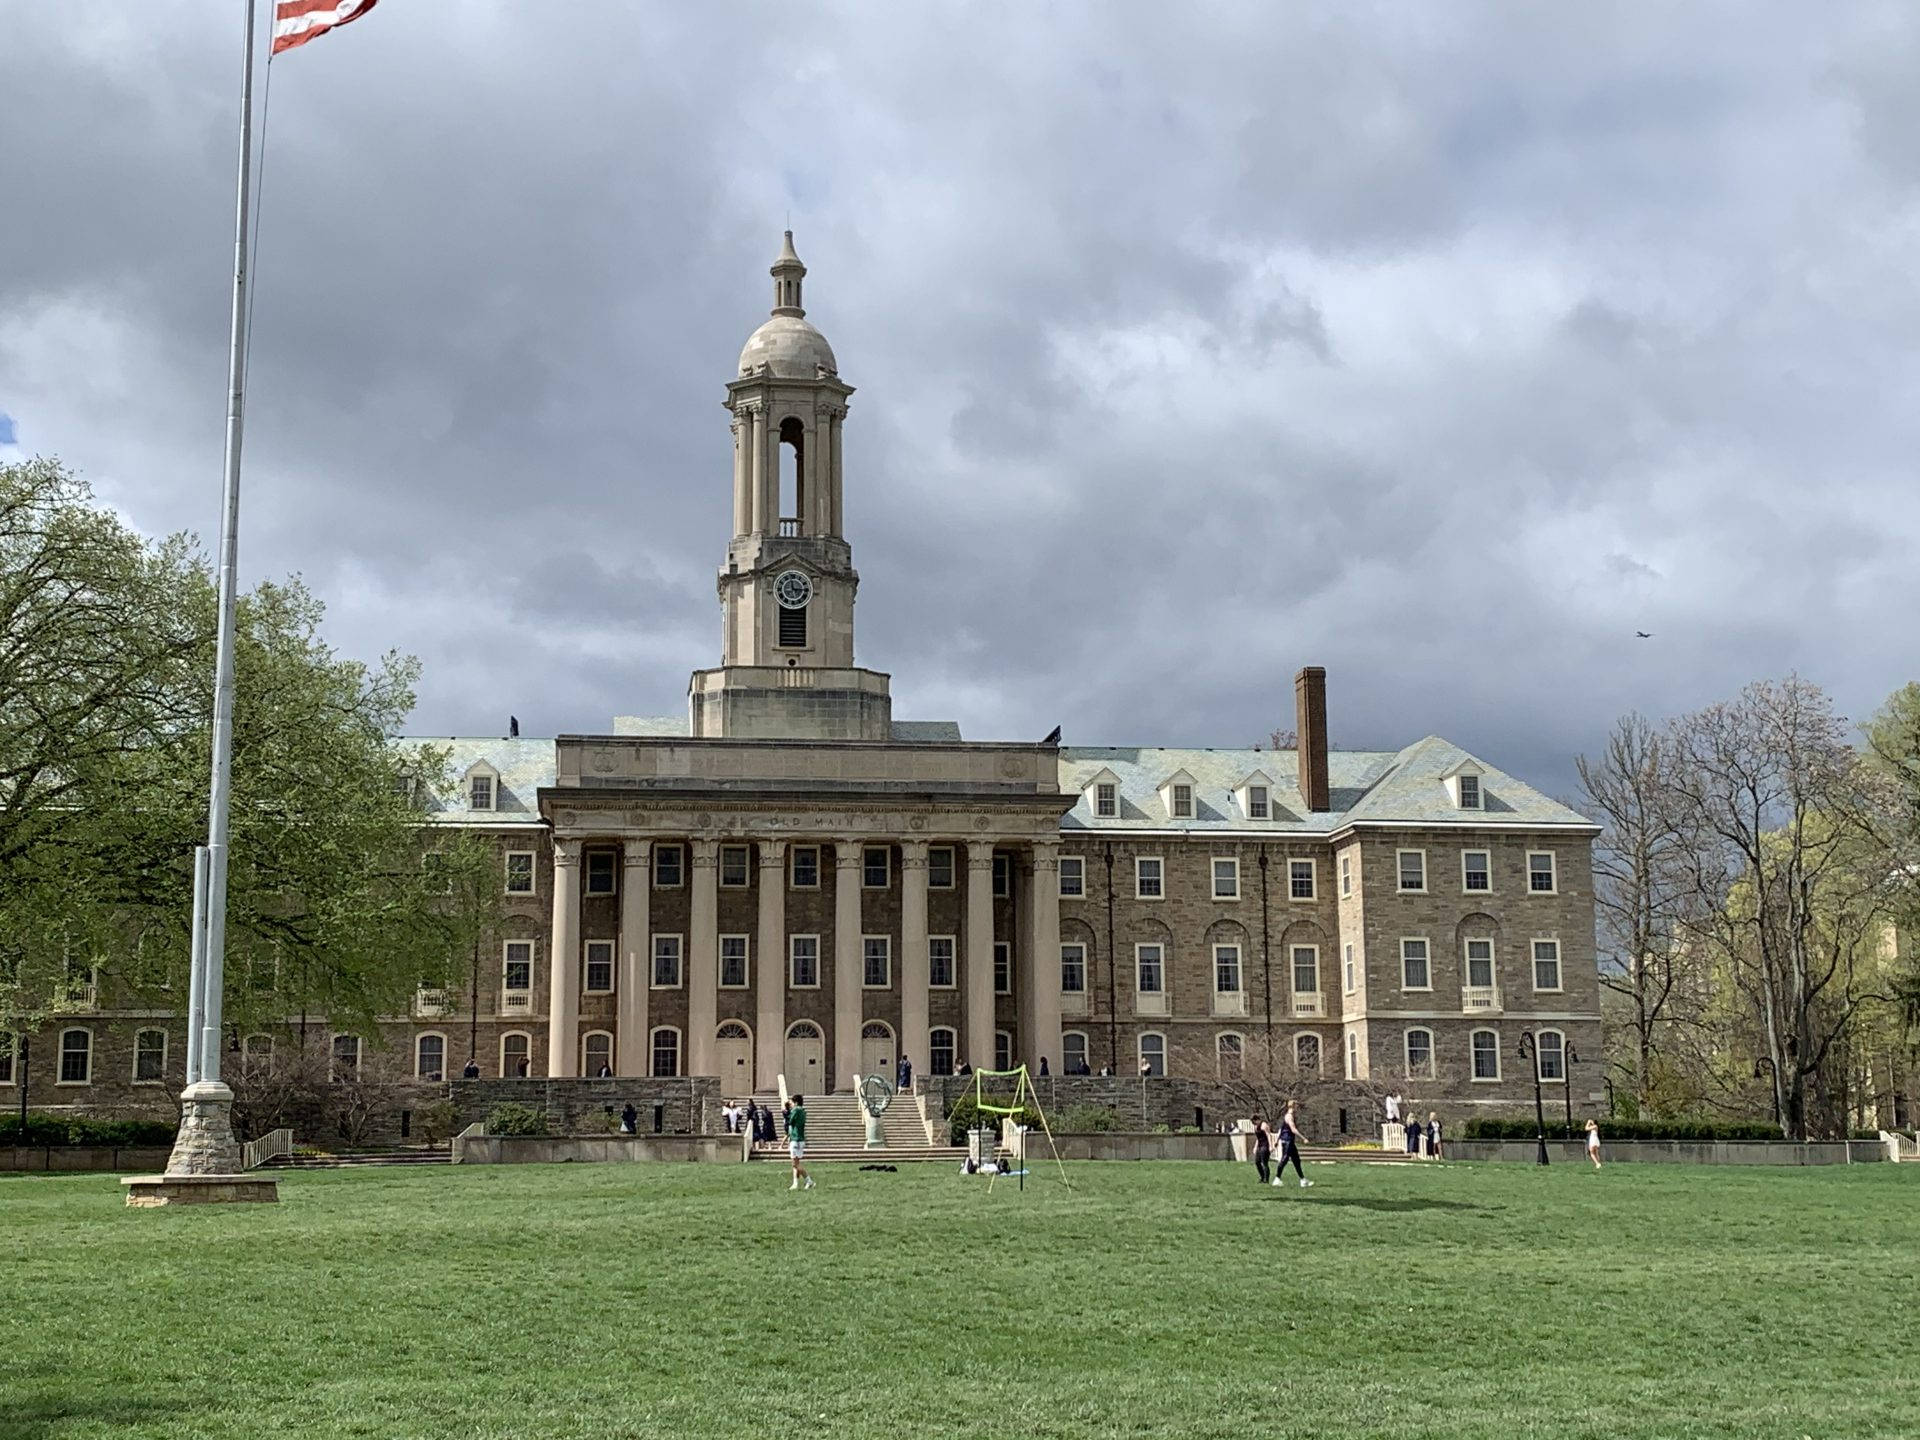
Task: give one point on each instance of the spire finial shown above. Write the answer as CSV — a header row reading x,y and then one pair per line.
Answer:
x,y
787,274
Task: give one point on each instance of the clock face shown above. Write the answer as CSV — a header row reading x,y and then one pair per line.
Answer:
x,y
793,589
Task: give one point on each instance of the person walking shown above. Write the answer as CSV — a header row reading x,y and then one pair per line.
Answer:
x,y
629,1119
797,1142
1413,1136
1433,1135
1593,1142
903,1077
1262,1149
1290,1142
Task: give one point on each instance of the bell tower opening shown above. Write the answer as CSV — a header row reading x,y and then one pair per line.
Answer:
x,y
793,476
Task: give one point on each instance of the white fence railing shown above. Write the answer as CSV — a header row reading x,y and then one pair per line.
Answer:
x,y
270,1146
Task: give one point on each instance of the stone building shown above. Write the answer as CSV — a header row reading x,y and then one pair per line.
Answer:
x,y
787,880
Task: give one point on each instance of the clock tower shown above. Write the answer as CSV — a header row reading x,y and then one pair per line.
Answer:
x,y
787,589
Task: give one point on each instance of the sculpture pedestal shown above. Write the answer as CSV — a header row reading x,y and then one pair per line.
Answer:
x,y
876,1132
204,1168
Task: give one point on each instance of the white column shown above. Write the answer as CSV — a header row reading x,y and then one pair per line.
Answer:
x,y
912,959
979,980
1040,975
769,473
757,474
703,958
636,958
742,491
848,963
563,963
770,1014
839,519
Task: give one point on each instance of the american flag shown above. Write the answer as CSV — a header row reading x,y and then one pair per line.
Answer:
x,y
295,22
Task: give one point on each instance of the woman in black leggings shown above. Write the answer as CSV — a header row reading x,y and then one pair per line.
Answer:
x,y
1262,1148
1290,1142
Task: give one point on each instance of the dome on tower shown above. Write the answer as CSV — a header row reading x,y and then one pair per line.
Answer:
x,y
787,346
790,348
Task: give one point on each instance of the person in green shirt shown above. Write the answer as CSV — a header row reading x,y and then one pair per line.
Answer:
x,y
797,1142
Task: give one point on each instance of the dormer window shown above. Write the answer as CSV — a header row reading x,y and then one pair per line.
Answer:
x,y
1469,792
1177,794
1257,802
480,791
1182,803
1105,801
1254,796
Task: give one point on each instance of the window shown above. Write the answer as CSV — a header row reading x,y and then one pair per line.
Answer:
x,y
1106,799
480,792
1073,1053
516,1055
599,872
1073,877
1419,1054
1229,1056
430,1057
9,1044
599,976
1306,969
1226,969
877,962
1540,878
940,962
1413,869
1353,1056
1257,808
1226,879
1002,970
1346,875
876,867
803,961
519,872
149,1057
1306,1054
1147,878
1476,872
1150,969
1415,973
669,866
1546,964
1550,1047
1469,792
804,865
940,867
666,1051
1347,968
666,962
517,970
1300,879
1073,969
734,868
733,962
1002,1050
346,1058
1480,964
1002,884
1486,1055
1182,802
1153,1055
793,628
598,1056
940,1045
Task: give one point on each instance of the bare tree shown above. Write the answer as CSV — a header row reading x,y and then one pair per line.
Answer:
x,y
1791,848
1640,885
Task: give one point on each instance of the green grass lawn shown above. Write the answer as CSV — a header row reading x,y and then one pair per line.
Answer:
x,y
696,1300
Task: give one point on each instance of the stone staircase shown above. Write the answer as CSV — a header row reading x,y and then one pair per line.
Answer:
x,y
837,1130
359,1158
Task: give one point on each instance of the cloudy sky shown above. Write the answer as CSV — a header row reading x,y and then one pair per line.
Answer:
x,y
1441,346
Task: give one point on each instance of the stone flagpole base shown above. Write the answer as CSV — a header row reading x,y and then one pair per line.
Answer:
x,y
205,1167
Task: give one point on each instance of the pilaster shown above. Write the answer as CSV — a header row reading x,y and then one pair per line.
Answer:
x,y
770,1011
847,962
979,978
631,1032
913,953
703,956
563,963
1040,975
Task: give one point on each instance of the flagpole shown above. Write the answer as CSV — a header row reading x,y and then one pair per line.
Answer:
x,y
205,1144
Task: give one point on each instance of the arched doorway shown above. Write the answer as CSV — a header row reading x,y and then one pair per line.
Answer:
x,y
733,1058
876,1049
805,1061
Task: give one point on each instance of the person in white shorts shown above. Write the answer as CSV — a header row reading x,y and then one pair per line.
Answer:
x,y
1593,1142
797,1142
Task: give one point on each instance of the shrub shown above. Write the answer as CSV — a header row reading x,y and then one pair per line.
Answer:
x,y
510,1117
1089,1119
1513,1128
965,1115
59,1130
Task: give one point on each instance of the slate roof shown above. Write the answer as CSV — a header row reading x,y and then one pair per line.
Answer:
x,y
523,766
1387,787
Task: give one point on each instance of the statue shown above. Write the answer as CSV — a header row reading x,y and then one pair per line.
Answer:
x,y
876,1092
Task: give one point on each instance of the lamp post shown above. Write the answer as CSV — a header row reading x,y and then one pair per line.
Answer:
x,y
1530,1051
1568,1056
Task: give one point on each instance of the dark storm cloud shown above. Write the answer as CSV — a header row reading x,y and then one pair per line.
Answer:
x,y
1444,348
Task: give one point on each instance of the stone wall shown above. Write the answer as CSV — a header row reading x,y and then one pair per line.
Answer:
x,y
684,1105
563,1149
56,1158
1674,1152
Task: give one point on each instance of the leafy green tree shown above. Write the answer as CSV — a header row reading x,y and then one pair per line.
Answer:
x,y
106,677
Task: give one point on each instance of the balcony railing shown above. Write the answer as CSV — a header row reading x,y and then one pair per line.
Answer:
x,y
77,995
1480,1000
1306,1006
789,526
1150,1002
431,1004
516,1002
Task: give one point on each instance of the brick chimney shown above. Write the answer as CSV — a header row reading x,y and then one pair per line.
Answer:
x,y
1310,730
